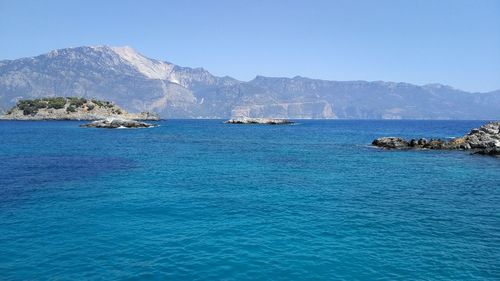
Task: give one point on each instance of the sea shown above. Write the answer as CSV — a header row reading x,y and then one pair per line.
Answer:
x,y
203,200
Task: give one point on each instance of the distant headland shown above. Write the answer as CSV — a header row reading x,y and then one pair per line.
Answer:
x,y
71,108
138,83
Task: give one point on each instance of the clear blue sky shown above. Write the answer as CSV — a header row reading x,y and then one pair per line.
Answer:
x,y
451,42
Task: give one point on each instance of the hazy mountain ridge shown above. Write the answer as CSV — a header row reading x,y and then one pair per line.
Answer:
x,y
138,83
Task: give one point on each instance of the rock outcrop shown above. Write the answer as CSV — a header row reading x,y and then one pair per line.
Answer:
x,y
117,123
391,143
266,121
71,108
484,140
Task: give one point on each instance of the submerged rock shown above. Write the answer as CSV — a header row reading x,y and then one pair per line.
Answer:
x,y
117,123
484,140
268,121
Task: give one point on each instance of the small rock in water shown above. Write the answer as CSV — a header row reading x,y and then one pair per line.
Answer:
x,y
268,121
413,143
117,123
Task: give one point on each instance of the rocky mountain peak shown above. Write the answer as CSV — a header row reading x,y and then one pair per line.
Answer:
x,y
152,69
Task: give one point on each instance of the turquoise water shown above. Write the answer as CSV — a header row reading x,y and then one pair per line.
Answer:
x,y
200,200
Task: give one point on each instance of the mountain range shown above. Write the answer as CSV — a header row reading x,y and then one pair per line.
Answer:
x,y
138,83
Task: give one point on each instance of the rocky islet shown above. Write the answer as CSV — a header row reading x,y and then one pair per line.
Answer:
x,y
71,108
117,124
262,121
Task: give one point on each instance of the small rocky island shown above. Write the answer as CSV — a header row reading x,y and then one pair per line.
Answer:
x,y
113,123
484,140
71,108
266,121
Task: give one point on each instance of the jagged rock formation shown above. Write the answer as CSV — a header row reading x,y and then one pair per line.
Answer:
x,y
113,123
138,83
71,108
265,121
484,140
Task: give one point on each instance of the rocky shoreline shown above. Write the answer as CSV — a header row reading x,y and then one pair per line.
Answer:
x,y
264,121
484,140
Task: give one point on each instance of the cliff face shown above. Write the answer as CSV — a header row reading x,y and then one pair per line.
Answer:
x,y
138,83
71,108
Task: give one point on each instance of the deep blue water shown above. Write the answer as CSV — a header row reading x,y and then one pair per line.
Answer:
x,y
201,200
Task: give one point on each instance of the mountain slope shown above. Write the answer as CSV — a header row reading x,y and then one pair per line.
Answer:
x,y
138,83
